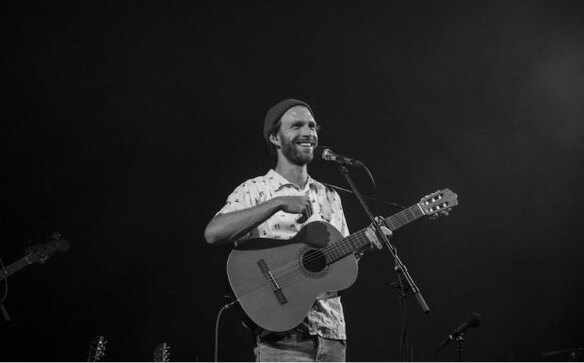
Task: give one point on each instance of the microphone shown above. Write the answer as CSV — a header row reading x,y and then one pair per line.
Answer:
x,y
325,153
473,320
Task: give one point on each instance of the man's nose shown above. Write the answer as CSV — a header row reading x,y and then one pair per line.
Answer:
x,y
307,130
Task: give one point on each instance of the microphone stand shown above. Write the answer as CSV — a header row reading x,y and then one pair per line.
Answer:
x,y
460,346
400,268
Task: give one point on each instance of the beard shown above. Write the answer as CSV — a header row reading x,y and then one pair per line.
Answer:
x,y
296,154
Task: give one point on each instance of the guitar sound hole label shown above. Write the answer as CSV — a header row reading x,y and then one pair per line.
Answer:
x,y
314,263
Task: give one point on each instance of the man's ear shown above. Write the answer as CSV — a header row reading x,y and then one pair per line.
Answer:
x,y
275,140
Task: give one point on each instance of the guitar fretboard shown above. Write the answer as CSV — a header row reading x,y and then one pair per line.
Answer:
x,y
350,244
12,268
25,261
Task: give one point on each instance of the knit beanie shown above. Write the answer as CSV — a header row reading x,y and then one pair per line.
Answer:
x,y
277,111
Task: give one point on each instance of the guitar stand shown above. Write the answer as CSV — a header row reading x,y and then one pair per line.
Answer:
x,y
400,268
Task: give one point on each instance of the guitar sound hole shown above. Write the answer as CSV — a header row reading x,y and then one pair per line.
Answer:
x,y
314,260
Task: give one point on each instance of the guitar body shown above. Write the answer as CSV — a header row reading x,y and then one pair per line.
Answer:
x,y
277,282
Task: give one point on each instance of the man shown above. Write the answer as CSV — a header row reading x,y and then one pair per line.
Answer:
x,y
276,206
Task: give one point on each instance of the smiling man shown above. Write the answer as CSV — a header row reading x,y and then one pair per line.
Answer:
x,y
276,206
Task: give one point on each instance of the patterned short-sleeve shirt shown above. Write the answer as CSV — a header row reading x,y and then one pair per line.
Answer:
x,y
326,316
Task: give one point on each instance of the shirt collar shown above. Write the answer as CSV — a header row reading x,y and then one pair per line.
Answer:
x,y
279,182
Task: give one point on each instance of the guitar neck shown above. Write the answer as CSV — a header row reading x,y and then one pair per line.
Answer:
x,y
404,217
35,253
97,349
20,264
15,267
358,240
161,353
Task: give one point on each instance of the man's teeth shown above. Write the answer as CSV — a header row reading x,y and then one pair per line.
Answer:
x,y
305,144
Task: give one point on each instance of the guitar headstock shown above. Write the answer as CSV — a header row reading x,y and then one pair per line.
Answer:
x,y
43,251
438,203
161,352
97,349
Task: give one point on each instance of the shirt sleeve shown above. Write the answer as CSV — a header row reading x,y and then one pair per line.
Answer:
x,y
244,196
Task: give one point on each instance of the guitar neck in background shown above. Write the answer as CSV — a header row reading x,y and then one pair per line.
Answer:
x,y
162,352
40,252
19,265
97,349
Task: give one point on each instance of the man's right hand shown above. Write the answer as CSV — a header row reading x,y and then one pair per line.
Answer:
x,y
296,204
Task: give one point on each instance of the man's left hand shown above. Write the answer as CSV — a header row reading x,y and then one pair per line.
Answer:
x,y
372,236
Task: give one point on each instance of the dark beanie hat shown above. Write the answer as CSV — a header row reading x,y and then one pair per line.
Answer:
x,y
277,111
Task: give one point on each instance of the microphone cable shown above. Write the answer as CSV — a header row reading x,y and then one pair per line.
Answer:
x,y
341,189
225,307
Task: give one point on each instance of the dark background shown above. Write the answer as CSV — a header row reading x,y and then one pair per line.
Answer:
x,y
125,125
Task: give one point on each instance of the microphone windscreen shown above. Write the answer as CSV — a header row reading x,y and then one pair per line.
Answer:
x,y
474,320
319,151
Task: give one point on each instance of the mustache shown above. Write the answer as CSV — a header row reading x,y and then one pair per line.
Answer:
x,y
305,139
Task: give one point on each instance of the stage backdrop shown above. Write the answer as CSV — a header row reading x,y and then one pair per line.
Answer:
x,y
125,125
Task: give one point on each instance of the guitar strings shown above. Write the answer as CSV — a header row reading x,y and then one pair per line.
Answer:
x,y
333,252
283,278
291,272
23,261
331,248
401,217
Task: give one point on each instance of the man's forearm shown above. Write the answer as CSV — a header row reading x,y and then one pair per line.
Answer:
x,y
225,228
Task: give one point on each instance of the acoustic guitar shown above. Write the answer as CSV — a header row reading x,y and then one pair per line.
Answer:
x,y
277,281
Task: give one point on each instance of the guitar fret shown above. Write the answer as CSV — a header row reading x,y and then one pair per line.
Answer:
x,y
390,224
363,240
359,237
354,242
407,214
404,217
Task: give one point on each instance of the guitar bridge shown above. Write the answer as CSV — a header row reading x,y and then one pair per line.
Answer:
x,y
275,286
